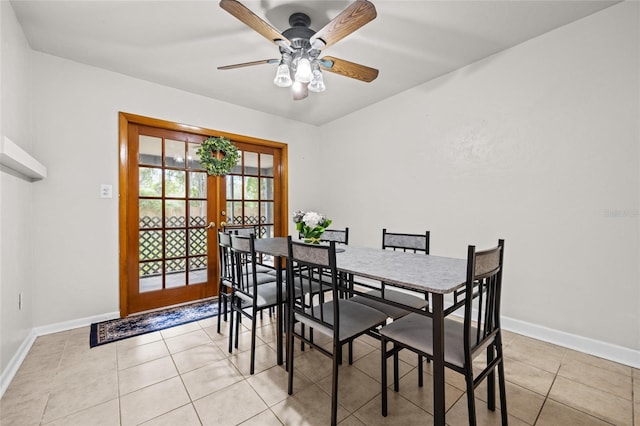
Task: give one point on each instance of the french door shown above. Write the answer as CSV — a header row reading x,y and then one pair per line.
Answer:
x,y
170,209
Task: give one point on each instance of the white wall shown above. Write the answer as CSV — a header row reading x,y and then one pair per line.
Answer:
x,y
16,194
76,135
538,145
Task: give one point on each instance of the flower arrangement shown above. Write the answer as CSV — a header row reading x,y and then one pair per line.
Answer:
x,y
311,225
218,155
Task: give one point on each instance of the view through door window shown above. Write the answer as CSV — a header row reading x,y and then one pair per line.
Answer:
x,y
173,214
250,192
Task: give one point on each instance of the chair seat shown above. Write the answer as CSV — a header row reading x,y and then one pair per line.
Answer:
x,y
355,318
263,269
262,278
315,286
416,331
395,296
267,295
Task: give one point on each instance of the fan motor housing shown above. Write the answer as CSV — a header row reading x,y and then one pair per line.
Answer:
x,y
299,33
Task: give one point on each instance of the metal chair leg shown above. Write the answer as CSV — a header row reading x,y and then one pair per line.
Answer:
x,y
383,372
334,387
471,403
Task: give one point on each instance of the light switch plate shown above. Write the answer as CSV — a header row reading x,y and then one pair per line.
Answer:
x,y
106,191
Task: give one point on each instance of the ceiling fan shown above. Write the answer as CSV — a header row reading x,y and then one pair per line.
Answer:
x,y
300,65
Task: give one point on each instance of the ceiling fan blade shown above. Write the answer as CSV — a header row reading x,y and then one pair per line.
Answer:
x,y
349,20
248,64
349,69
253,21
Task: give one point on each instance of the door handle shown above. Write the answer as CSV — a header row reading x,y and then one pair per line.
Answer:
x,y
211,225
223,224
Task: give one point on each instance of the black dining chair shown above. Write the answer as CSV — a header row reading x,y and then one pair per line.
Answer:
x,y
407,243
464,340
340,319
224,282
247,230
414,243
251,291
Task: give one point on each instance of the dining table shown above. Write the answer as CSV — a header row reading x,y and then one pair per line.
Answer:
x,y
435,276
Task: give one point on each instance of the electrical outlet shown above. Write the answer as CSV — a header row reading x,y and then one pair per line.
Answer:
x,y
20,296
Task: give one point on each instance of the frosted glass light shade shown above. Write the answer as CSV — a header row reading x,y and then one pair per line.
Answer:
x,y
317,82
303,71
283,76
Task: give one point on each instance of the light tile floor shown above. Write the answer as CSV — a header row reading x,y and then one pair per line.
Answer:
x,y
185,376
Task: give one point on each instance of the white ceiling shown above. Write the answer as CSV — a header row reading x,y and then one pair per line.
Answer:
x,y
180,44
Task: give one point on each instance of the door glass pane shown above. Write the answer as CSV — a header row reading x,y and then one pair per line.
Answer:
x,y
197,269
150,245
197,213
174,153
150,182
174,183
176,214
250,163
193,160
175,243
176,274
197,185
267,231
266,165
150,150
251,188
150,276
251,213
234,187
237,169
266,212
234,212
197,242
266,188
150,213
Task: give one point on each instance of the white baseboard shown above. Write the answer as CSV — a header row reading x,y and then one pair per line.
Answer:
x,y
586,345
16,361
77,323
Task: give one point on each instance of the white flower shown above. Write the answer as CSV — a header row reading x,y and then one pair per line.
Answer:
x,y
298,215
312,219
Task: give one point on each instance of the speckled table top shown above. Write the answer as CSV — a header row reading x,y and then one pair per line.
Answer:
x,y
434,274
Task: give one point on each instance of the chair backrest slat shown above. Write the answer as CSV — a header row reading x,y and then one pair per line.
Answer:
x,y
415,243
338,235
243,230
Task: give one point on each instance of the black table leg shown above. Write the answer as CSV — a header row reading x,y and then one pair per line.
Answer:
x,y
438,359
279,298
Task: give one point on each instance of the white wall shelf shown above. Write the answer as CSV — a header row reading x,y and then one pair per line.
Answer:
x,y
18,160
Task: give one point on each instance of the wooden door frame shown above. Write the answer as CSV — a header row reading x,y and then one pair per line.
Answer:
x,y
281,222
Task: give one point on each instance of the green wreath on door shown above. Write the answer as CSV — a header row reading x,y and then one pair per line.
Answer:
x,y
218,155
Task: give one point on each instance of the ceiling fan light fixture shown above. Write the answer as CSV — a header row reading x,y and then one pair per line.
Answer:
x,y
300,46
317,81
303,70
283,76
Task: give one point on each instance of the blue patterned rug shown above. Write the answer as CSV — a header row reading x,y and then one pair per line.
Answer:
x,y
135,325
